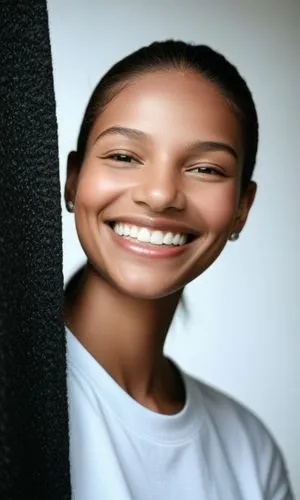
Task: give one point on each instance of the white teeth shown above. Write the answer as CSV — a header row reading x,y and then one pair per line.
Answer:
x,y
157,238
168,239
133,231
145,235
176,239
117,229
182,239
126,230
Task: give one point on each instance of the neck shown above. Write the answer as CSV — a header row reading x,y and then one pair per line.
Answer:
x,y
126,336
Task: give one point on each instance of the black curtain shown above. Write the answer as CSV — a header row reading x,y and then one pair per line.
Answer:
x,y
33,401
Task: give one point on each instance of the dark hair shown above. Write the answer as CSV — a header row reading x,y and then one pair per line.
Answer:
x,y
181,55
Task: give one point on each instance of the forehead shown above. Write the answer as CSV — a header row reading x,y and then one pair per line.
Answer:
x,y
173,106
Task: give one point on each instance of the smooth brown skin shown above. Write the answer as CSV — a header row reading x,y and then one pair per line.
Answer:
x,y
124,305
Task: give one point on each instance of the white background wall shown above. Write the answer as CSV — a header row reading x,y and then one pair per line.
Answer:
x,y
242,329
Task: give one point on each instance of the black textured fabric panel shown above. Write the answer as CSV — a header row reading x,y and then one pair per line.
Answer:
x,y
33,404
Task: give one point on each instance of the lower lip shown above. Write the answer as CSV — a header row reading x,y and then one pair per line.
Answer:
x,y
148,251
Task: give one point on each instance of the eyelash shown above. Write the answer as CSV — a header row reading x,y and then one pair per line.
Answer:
x,y
205,170
122,158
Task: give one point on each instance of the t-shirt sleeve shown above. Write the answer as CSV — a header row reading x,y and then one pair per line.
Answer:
x,y
278,485
251,449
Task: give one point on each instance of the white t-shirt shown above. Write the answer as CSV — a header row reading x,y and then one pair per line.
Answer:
x,y
214,449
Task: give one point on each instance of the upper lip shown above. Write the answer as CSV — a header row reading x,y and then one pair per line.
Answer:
x,y
158,223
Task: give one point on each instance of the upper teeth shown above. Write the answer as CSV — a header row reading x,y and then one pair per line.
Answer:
x,y
146,235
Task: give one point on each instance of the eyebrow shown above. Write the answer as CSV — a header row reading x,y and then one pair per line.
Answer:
x,y
213,146
132,133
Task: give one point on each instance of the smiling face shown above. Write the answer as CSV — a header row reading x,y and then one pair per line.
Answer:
x,y
158,193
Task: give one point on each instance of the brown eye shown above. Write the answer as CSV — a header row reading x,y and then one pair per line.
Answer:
x,y
123,158
206,170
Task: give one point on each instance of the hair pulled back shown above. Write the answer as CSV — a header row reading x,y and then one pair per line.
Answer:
x,y
172,54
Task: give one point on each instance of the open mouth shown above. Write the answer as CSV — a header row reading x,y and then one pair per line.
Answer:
x,y
147,236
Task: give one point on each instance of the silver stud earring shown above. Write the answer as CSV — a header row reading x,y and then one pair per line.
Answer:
x,y
234,236
70,206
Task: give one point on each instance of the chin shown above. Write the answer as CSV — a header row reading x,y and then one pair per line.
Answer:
x,y
147,291
144,289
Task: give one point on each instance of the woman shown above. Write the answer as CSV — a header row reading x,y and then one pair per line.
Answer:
x,y
160,181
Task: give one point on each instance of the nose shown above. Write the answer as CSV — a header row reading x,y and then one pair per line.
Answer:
x,y
160,190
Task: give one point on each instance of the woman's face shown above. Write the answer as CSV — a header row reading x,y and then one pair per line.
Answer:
x,y
158,193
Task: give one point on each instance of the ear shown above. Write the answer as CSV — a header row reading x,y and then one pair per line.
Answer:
x,y
245,204
72,177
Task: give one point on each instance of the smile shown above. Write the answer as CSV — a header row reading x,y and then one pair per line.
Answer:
x,y
149,236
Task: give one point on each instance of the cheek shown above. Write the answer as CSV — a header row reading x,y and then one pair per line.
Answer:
x,y
217,205
97,188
